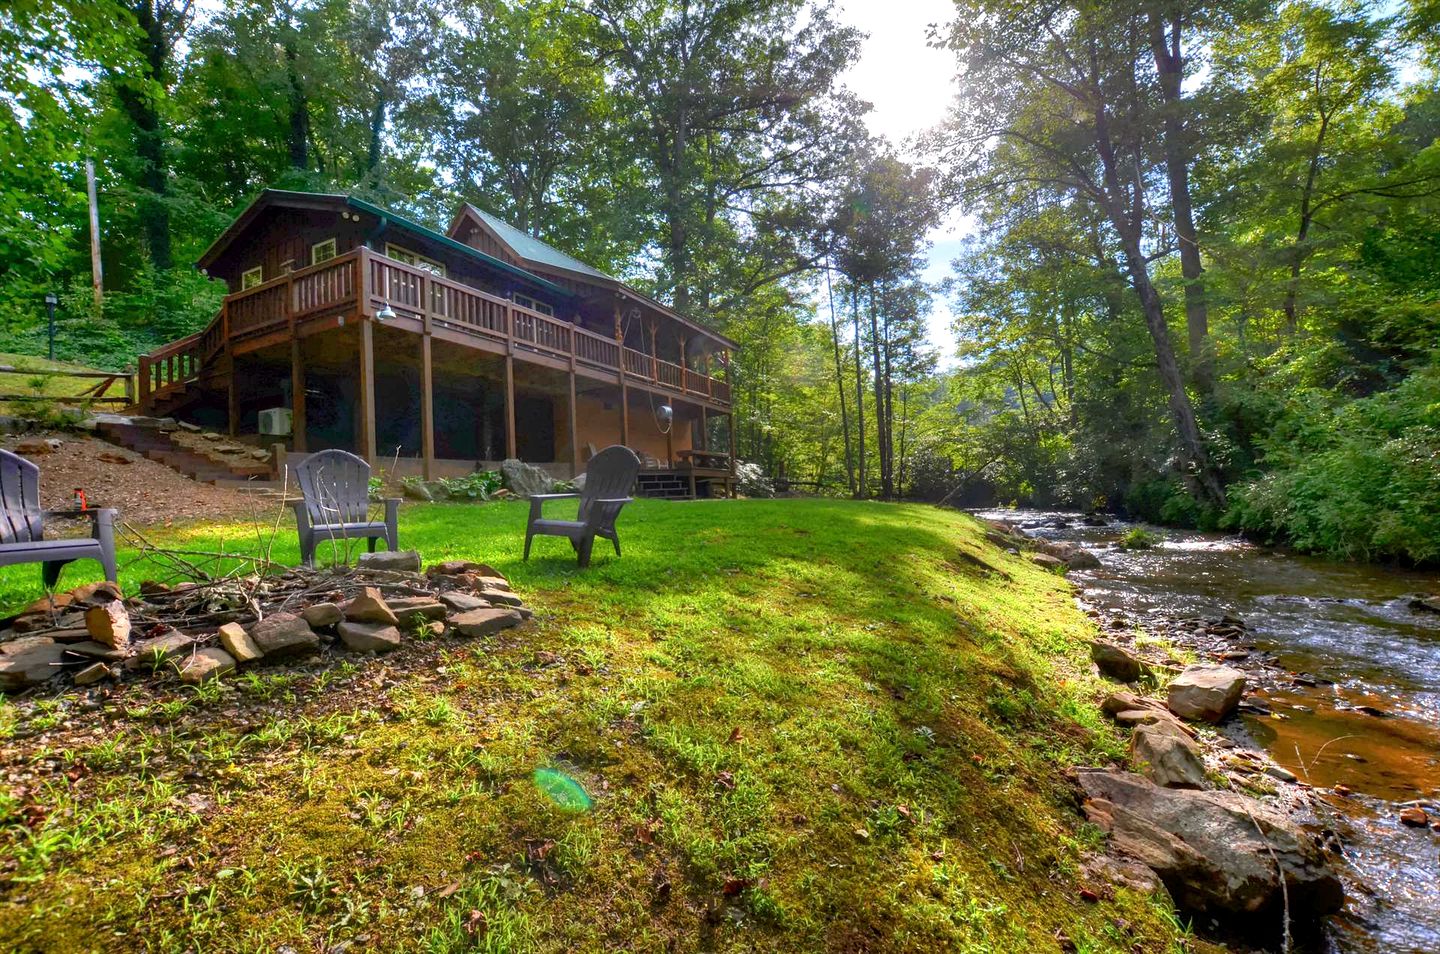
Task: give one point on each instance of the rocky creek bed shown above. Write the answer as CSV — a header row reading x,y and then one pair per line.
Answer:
x,y
1328,676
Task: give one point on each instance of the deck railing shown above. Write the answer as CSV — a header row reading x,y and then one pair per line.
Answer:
x,y
367,281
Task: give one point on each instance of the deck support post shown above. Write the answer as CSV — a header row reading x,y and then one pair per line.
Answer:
x,y
704,429
427,406
575,455
624,391
510,406
297,395
234,398
367,390
730,426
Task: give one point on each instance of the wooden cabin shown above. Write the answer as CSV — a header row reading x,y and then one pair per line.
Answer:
x,y
447,351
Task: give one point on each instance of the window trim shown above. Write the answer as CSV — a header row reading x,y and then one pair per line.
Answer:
x,y
415,259
258,271
535,305
317,246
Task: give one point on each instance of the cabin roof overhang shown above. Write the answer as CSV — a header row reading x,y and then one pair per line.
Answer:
x,y
469,213
332,202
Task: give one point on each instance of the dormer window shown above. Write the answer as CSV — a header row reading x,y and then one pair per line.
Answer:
x,y
252,277
322,251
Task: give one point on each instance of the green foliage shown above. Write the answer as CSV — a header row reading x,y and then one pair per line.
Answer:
x,y
1360,480
1138,538
481,485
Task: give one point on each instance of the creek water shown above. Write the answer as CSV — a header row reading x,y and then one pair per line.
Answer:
x,y
1352,682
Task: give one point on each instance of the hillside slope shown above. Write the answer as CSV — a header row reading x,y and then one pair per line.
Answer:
x,y
798,725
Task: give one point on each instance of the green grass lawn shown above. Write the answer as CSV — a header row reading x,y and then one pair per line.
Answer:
x,y
800,726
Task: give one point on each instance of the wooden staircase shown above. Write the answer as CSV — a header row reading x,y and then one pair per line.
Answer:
x,y
157,445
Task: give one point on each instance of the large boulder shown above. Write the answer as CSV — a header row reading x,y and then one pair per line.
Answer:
x,y
1166,755
1218,853
1205,693
525,479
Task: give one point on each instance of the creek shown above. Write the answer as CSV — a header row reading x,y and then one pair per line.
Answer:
x,y
1346,693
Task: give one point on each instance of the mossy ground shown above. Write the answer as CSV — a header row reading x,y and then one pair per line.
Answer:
x,y
801,725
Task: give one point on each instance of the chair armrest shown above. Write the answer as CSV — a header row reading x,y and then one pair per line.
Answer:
x,y
614,500
392,506
302,514
537,501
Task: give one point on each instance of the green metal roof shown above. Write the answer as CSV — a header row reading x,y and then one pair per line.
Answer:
x,y
532,249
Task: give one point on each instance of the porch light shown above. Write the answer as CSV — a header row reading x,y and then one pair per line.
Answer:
x,y
385,313
666,414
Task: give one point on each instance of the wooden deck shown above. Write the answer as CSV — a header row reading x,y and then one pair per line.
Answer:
x,y
357,285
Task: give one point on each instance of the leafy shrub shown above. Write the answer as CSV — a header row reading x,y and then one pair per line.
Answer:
x,y
480,485
751,480
1138,538
1361,481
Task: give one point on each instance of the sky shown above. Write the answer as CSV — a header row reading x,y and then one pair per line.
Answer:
x,y
910,85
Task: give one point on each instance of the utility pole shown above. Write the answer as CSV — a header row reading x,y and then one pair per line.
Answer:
x,y
95,272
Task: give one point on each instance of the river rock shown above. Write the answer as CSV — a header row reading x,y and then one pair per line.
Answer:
x,y
1082,560
1428,604
1213,850
209,663
369,607
109,624
1114,662
482,622
1205,693
238,643
525,479
284,634
1415,817
1046,561
396,561
368,637
1167,756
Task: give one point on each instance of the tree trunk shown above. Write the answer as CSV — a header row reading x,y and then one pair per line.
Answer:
x,y
860,489
1126,215
880,423
377,132
142,108
1170,67
1298,255
840,383
299,111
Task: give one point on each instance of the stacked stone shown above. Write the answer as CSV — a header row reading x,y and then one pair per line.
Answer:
x,y
90,633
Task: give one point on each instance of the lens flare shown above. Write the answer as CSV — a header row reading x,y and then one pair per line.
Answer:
x,y
561,789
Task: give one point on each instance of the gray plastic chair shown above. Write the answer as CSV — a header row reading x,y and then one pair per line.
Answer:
x,y
609,479
22,526
335,504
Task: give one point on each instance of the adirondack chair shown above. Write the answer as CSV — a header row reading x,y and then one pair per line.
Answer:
x,y
609,479
335,504
22,525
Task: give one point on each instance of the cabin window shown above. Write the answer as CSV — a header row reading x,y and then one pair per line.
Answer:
x,y
252,277
415,260
525,301
322,251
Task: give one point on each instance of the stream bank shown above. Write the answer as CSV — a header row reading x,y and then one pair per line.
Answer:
x,y
1343,695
